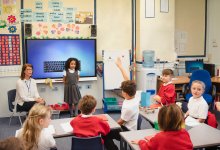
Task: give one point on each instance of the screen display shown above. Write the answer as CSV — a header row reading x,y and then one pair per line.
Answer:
x,y
48,56
190,66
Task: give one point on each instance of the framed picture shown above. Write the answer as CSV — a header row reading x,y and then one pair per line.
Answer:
x,y
164,6
149,8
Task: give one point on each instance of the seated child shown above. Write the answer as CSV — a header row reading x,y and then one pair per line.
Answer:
x,y
172,135
87,125
33,134
12,143
197,106
166,94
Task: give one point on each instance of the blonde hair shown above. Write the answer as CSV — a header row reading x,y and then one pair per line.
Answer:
x,y
199,82
32,128
170,118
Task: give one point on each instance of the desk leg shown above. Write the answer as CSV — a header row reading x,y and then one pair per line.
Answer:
x,y
123,144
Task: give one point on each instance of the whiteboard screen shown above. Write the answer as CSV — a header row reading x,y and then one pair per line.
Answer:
x,y
112,74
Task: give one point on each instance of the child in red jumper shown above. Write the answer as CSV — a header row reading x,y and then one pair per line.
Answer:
x,y
166,94
87,125
172,135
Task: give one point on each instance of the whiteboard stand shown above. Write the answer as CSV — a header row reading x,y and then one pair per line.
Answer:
x,y
112,76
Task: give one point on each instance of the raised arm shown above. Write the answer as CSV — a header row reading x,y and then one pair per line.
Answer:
x,y
119,65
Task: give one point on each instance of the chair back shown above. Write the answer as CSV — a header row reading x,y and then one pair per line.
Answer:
x,y
203,76
85,143
11,99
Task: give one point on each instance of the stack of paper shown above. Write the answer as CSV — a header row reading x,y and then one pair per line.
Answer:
x,y
66,127
190,121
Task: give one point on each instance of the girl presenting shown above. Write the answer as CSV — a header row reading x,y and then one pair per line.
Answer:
x,y
71,90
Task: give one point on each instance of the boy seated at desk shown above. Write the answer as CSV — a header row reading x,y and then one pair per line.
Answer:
x,y
166,94
87,125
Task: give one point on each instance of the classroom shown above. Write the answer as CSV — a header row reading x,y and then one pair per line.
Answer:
x,y
147,35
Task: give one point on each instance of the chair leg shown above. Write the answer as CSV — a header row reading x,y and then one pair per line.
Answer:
x,y
20,119
11,118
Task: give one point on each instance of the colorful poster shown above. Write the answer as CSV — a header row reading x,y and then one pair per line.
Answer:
x,y
9,7
9,50
84,17
0,7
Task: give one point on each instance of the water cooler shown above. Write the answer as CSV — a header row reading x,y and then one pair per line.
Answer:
x,y
146,78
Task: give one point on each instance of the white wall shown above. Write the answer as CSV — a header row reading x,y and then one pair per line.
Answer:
x,y
113,25
213,32
113,33
156,33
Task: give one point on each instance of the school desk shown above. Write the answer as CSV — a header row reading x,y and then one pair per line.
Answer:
x,y
201,136
59,125
150,117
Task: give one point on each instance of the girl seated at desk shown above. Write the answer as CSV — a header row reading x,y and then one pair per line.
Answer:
x,y
172,135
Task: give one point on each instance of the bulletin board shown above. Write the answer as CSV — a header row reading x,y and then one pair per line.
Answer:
x,y
48,19
10,37
112,75
59,18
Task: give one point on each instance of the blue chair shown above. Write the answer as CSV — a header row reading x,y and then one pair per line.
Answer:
x,y
85,143
210,90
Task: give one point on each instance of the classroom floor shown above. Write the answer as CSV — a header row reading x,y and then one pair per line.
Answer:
x,y
62,143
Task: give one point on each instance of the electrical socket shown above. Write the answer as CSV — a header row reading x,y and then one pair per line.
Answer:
x,y
89,86
55,88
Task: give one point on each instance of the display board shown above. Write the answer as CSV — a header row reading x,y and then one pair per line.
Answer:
x,y
112,75
10,38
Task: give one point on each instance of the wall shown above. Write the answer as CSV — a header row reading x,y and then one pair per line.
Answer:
x,y
113,25
213,32
190,27
156,33
114,32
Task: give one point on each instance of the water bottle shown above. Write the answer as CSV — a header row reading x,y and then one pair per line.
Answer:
x,y
145,99
148,58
